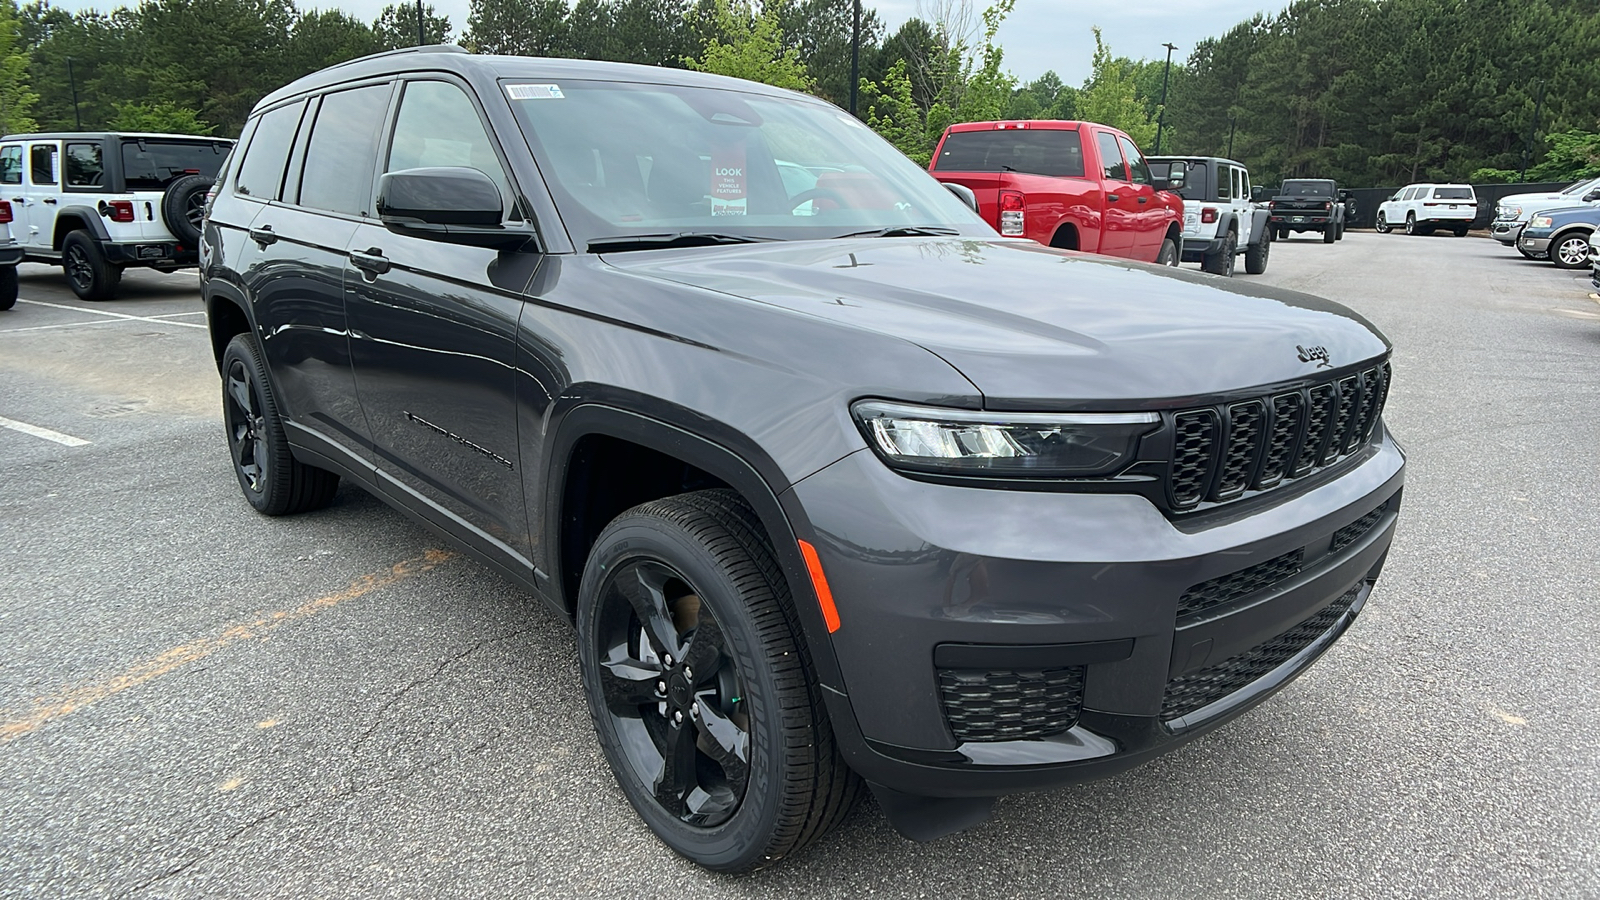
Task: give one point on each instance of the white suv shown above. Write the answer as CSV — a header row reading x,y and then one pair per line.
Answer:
x,y
1220,221
96,203
1420,208
1512,213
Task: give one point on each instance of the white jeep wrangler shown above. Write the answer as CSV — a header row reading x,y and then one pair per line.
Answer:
x,y
1220,221
96,203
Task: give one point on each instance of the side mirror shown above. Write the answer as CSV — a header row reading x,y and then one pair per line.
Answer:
x,y
452,204
1591,196
1177,176
964,193
1259,194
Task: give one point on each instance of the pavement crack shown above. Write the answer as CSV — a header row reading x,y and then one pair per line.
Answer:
x,y
382,712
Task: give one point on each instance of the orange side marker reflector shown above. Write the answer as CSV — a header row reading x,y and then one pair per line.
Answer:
x,y
830,613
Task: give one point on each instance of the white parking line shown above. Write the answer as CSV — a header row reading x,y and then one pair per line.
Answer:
x,y
101,312
45,433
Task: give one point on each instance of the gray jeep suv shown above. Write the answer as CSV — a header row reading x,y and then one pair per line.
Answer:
x,y
840,489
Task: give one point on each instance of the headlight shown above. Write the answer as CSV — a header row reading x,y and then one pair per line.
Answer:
x,y
1509,212
1539,222
1000,444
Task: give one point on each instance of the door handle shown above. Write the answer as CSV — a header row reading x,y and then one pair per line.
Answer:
x,y
263,236
21,200
50,200
1113,197
371,260
1144,199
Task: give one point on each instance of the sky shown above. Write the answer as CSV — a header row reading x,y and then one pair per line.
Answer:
x,y
1039,35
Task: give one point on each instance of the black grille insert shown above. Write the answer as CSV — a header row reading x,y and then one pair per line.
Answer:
x,y
1221,452
1197,690
1011,705
1353,532
1228,588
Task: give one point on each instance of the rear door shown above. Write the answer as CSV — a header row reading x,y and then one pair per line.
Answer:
x,y
1149,218
433,337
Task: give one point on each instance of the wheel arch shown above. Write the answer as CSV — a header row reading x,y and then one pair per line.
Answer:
x,y
227,315
1066,236
75,218
1259,227
1575,229
590,434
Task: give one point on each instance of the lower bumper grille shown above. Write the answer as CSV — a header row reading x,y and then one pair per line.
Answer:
x,y
1011,705
1197,690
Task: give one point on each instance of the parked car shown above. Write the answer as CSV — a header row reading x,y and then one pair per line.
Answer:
x,y
98,203
1512,212
1594,260
1308,204
1071,185
861,495
10,256
1422,208
1561,236
1219,220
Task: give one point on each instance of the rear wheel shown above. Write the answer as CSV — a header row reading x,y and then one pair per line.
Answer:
x,y
1168,255
1220,262
1330,233
1255,257
273,481
700,689
1570,251
8,287
1383,225
1461,230
88,273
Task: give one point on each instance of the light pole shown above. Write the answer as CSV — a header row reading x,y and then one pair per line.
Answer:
x,y
855,54
73,80
420,39
1161,119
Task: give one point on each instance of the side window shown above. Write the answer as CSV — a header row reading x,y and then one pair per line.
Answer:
x,y
84,166
1244,184
1224,183
344,141
1138,171
1110,157
261,169
1240,189
439,126
1409,193
11,164
42,164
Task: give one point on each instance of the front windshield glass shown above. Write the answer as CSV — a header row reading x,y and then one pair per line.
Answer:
x,y
644,159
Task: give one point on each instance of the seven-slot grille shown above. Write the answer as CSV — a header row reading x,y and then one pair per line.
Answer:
x,y
1221,453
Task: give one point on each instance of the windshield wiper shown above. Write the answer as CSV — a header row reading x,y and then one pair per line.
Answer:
x,y
903,231
624,242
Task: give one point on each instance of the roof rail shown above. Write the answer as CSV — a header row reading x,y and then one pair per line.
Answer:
x,y
425,48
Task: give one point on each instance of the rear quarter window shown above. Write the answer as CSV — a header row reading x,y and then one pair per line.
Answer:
x,y
261,169
1052,152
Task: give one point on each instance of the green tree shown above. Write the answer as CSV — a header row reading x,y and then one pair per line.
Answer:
x,y
749,45
16,100
1110,97
160,117
516,27
396,26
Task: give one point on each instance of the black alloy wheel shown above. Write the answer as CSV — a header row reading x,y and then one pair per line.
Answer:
x,y
273,481
88,273
700,685
247,427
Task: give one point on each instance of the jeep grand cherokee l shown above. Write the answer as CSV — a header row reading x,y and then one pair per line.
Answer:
x,y
841,489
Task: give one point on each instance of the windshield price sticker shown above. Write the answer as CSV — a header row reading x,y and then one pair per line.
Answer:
x,y
535,92
728,197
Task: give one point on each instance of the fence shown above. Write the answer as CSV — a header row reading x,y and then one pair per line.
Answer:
x,y
1367,200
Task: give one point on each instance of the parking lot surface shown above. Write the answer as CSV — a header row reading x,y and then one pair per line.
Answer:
x,y
197,701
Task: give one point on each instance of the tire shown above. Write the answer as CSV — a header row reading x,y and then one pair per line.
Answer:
x,y
274,482
1411,223
1425,230
1461,230
183,207
1221,262
1383,225
1168,255
1255,256
88,273
657,576
1570,251
1329,235
1338,234
8,287
1283,234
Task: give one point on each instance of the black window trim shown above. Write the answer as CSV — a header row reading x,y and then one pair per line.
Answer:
x,y
28,162
22,161
246,143
302,145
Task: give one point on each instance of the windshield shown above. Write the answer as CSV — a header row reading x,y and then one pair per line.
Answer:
x,y
648,159
150,165
1309,188
1583,187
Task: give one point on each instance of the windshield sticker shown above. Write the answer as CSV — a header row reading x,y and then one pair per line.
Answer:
x,y
535,92
728,180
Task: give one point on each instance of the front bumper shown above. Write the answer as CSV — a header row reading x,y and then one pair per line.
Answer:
x,y
1506,232
941,587
1537,244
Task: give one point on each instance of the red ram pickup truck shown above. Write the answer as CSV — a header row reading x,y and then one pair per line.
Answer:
x,y
1073,185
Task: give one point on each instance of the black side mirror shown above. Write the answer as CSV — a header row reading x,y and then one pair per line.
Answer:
x,y
965,193
1591,196
1259,194
453,204
1176,176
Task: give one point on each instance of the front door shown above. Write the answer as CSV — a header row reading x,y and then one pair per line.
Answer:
x,y
1149,217
433,339
1121,225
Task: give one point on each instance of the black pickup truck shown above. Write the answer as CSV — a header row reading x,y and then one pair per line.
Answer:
x,y
1308,204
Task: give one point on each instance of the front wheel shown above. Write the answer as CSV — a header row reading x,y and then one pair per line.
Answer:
x,y
699,686
1570,251
1411,223
1221,262
1255,256
88,273
1383,225
273,481
1168,256
8,287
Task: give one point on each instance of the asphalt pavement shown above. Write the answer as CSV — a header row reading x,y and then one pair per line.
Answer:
x,y
197,701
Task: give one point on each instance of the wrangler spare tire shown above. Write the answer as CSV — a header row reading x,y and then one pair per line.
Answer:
x,y
183,207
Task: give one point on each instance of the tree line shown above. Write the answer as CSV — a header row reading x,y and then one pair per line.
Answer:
x,y
1366,91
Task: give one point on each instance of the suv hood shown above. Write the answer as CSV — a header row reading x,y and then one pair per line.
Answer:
x,y
1036,328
